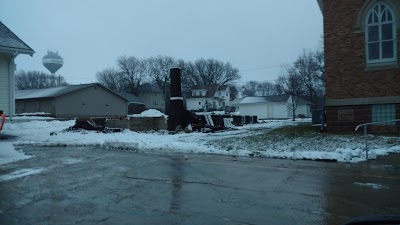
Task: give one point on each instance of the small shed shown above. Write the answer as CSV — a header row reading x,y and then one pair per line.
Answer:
x,y
135,104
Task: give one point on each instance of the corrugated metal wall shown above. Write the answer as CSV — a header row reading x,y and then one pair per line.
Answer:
x,y
4,84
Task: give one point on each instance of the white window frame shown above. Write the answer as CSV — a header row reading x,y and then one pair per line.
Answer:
x,y
379,24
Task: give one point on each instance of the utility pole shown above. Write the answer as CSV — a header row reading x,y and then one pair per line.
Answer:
x,y
165,95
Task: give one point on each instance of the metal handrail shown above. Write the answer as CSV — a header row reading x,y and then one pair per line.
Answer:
x,y
365,131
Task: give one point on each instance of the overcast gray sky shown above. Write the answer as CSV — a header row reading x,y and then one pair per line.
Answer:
x,y
256,36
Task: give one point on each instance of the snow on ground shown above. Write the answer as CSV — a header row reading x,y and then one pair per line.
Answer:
x,y
244,141
371,185
8,154
148,113
33,114
17,118
211,113
20,173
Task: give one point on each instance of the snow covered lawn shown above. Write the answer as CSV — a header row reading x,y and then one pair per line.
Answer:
x,y
267,139
8,154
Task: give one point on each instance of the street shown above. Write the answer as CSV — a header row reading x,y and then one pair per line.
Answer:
x,y
89,185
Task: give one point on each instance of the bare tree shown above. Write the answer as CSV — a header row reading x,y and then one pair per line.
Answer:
x,y
133,71
231,74
112,79
234,91
255,88
320,61
250,88
291,84
187,71
306,68
310,68
158,70
212,71
265,88
36,80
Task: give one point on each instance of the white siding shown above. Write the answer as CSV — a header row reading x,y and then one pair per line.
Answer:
x,y
193,103
279,111
258,109
5,97
303,109
266,110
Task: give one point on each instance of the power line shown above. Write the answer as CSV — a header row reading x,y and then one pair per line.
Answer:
x,y
261,68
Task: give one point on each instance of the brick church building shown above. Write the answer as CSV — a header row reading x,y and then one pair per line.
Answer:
x,y
362,72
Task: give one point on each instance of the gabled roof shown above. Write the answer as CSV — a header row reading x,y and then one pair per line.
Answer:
x,y
59,91
10,42
262,99
273,98
236,101
49,92
149,88
211,89
130,97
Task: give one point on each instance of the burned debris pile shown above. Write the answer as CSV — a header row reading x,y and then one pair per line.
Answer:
x,y
181,119
178,119
93,124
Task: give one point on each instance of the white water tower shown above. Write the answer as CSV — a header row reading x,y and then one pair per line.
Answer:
x,y
52,61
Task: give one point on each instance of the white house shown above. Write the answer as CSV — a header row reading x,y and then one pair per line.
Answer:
x,y
208,97
273,107
10,47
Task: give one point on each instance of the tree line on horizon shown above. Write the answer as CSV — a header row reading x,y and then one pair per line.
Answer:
x,y
132,74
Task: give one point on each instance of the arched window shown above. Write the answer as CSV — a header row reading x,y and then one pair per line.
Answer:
x,y
380,34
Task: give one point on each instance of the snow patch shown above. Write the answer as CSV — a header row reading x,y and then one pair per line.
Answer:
x,y
33,114
21,118
8,154
148,113
372,185
20,173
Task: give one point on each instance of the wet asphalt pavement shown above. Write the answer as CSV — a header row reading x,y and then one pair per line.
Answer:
x,y
88,185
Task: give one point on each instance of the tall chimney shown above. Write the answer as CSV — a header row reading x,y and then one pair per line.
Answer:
x,y
176,112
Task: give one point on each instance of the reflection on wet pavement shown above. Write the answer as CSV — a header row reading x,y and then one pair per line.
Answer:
x,y
364,189
176,167
89,185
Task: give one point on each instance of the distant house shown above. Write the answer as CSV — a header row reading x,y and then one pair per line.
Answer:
x,y
362,71
152,97
208,97
10,47
84,100
273,107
